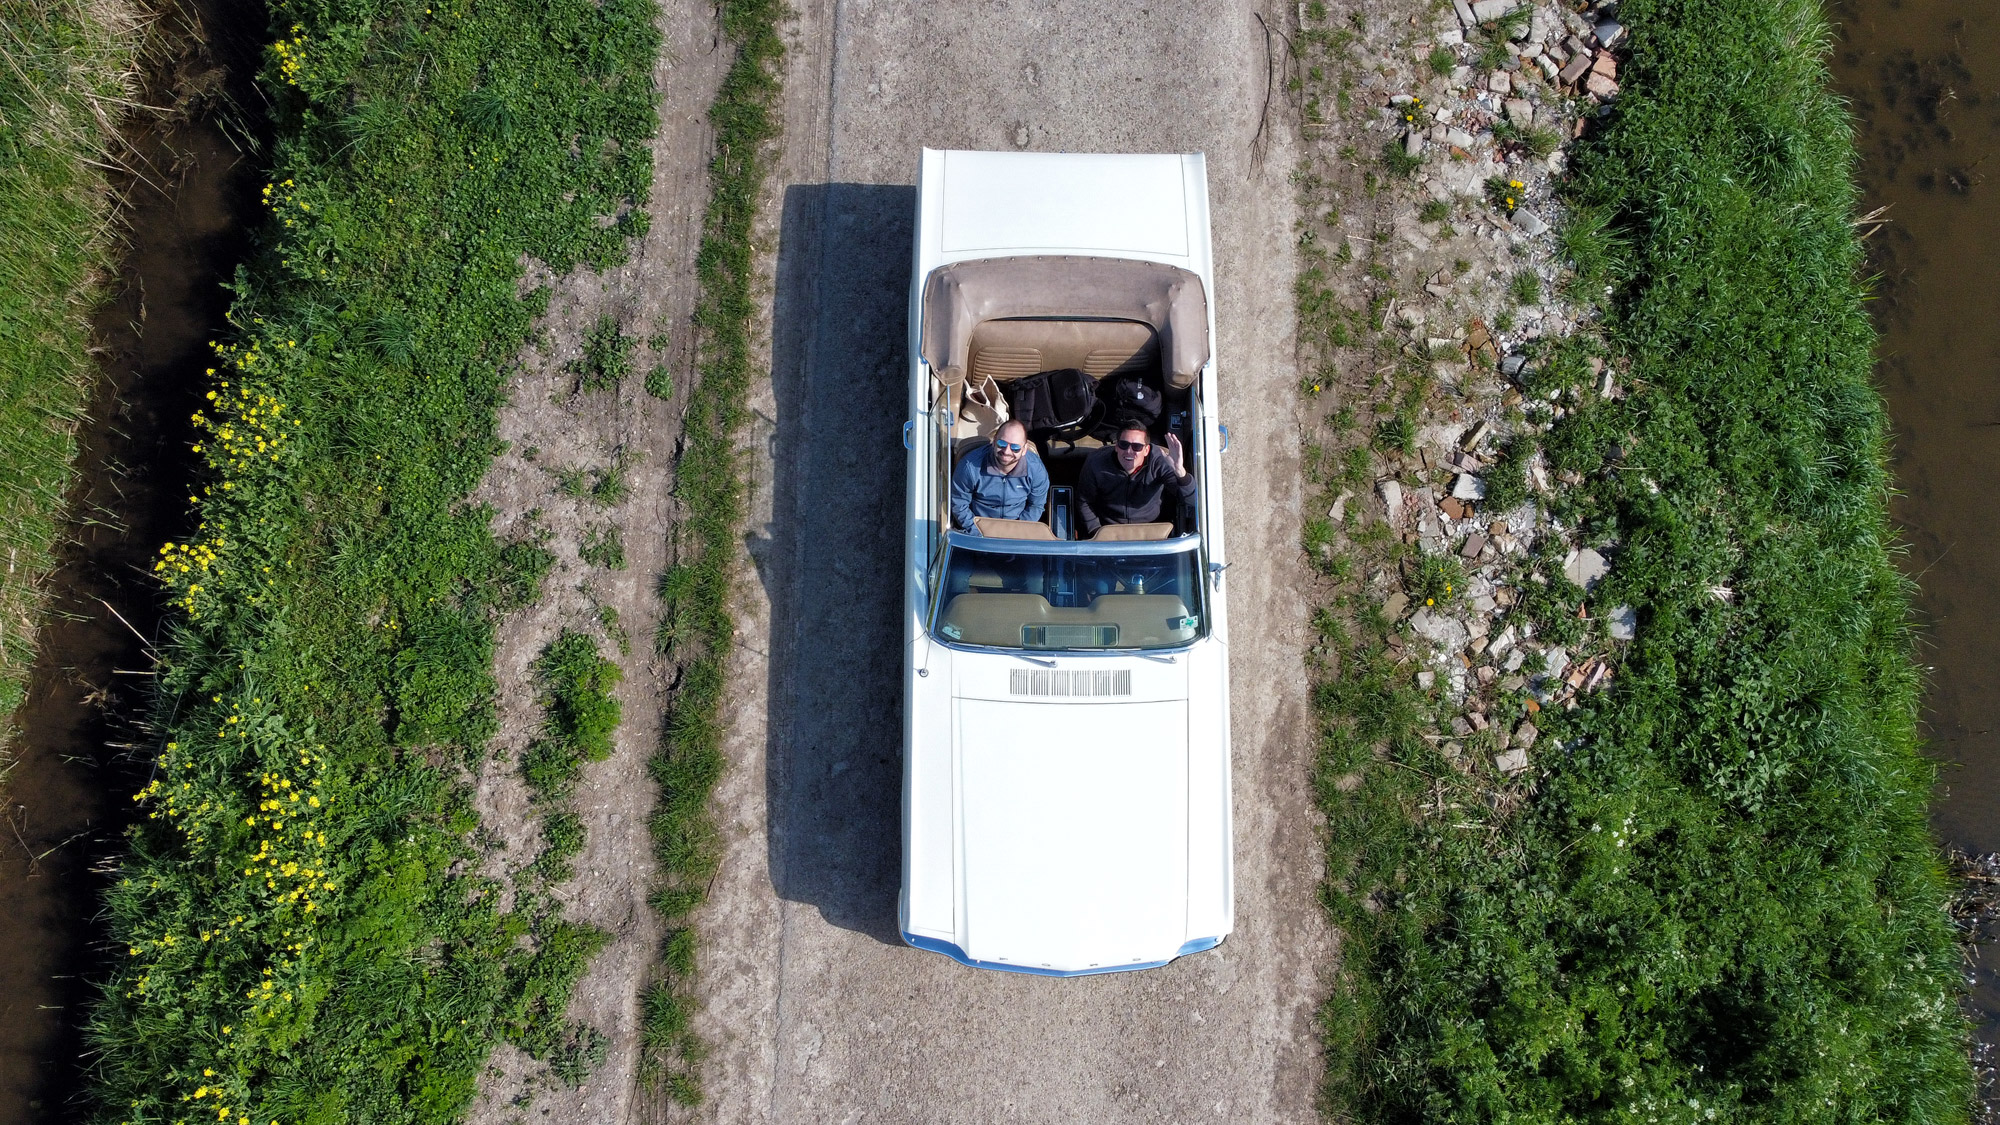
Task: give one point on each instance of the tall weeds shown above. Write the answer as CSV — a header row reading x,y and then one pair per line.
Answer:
x,y
64,68
1719,900
307,936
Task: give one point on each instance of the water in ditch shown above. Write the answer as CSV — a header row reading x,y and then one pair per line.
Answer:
x,y
1923,79
79,754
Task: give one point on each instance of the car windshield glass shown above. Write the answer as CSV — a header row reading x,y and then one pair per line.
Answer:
x,y
1071,599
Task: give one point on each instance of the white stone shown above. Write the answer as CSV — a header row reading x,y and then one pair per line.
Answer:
x,y
1624,623
1452,38
1468,487
1500,82
1486,11
1585,567
1338,512
1464,10
1392,501
1445,632
1530,223
1515,659
1427,679
1511,762
1556,662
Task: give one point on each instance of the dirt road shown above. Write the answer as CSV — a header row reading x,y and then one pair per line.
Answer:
x,y
816,1010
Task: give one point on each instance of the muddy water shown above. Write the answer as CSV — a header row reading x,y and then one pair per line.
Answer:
x,y
1924,80
80,753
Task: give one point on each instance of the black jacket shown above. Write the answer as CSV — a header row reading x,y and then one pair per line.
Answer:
x,y
1104,494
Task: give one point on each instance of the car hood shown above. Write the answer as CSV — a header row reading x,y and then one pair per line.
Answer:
x,y
1074,831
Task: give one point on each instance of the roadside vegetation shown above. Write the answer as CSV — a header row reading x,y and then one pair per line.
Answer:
x,y
66,69
307,935
1713,896
696,628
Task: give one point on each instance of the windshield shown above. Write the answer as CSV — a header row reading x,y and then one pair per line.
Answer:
x,y
1003,595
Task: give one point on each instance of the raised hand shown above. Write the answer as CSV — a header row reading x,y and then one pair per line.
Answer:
x,y
1174,451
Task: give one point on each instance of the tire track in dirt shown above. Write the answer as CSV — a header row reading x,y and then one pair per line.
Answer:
x,y
816,1010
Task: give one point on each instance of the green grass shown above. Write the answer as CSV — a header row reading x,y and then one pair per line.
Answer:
x,y
1525,288
309,938
61,71
603,546
1715,896
696,628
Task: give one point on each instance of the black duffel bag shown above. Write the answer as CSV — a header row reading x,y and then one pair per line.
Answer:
x,y
1051,401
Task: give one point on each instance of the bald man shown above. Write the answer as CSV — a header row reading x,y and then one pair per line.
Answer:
x,y
1003,479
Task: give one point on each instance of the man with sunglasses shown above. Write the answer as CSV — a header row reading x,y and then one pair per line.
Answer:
x,y
1125,482
1001,480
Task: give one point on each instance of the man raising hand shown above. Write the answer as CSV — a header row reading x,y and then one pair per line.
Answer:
x,y
1125,481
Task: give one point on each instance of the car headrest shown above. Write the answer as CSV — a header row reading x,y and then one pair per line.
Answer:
x,y
1127,532
1012,529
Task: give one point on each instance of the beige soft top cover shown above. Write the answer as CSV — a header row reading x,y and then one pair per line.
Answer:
x,y
959,296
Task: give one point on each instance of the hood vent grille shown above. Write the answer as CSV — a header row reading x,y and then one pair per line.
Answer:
x,y
1025,681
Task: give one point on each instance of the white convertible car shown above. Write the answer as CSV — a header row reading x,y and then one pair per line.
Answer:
x,y
1066,728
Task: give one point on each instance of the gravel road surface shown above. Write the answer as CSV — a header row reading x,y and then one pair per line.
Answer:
x,y
817,1012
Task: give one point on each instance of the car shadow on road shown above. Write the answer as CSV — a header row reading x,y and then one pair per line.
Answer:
x,y
832,557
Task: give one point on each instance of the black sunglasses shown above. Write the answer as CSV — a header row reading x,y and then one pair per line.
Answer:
x,y
1132,446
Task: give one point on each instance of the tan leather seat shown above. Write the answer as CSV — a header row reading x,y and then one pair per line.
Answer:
x,y
1028,619
1012,529
1016,349
985,581
1129,532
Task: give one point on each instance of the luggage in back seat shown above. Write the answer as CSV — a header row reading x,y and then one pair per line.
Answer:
x,y
1051,400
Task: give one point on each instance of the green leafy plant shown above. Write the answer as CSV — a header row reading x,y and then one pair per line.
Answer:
x,y
582,715
1434,211
1442,61
606,357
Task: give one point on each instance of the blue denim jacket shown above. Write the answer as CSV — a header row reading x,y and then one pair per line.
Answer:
x,y
1019,495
